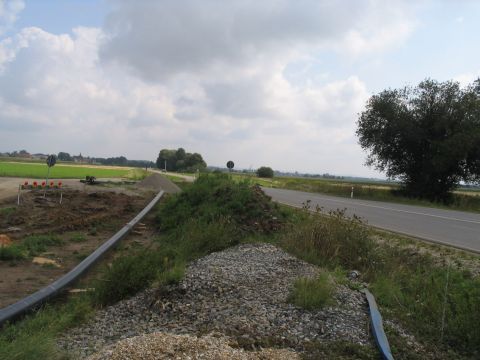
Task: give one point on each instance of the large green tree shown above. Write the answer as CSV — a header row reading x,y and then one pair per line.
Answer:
x,y
427,136
179,160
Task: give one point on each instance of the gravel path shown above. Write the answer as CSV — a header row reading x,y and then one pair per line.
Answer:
x,y
240,293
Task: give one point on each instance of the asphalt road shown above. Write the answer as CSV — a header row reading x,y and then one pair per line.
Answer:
x,y
456,228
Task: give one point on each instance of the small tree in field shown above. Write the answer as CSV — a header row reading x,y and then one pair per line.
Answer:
x,y
265,172
427,136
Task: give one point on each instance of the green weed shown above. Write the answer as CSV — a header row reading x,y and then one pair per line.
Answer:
x,y
12,252
36,244
78,237
34,337
313,293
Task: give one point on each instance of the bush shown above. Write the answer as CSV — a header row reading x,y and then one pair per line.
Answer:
x,y
265,172
312,293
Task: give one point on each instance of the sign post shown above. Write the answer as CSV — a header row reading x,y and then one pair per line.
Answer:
x,y
51,161
230,165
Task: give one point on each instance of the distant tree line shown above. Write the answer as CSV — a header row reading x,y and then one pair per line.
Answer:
x,y
180,160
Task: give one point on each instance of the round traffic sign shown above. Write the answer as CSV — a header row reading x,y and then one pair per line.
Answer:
x,y
230,164
51,160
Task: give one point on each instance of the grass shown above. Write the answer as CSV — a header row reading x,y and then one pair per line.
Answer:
x,y
30,246
216,212
34,337
409,286
313,293
39,171
78,237
377,191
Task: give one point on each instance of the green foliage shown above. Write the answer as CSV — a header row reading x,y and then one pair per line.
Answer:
x,y
127,275
36,244
34,337
64,156
179,160
265,172
7,212
313,293
374,190
215,196
12,252
407,285
333,240
30,246
78,237
427,136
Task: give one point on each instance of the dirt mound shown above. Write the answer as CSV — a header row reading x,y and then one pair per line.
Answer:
x,y
168,346
5,240
158,182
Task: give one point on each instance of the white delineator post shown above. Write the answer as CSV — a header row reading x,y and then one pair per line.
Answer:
x,y
351,194
18,196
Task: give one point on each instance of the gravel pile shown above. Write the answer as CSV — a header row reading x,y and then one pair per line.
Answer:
x,y
240,293
158,182
161,346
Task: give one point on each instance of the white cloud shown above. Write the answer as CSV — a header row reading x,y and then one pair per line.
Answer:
x,y
9,10
467,78
207,76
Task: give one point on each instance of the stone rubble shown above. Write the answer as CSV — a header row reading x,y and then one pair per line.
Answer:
x,y
240,293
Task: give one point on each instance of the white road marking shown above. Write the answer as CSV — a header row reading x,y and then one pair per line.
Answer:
x,y
398,210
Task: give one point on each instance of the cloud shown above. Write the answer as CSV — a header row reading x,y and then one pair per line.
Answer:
x,y
208,76
159,39
9,10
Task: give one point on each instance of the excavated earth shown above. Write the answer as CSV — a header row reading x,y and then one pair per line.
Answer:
x,y
232,304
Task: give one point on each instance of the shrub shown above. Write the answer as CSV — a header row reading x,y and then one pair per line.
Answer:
x,y
265,172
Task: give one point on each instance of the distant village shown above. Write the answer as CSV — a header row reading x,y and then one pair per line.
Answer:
x,y
80,159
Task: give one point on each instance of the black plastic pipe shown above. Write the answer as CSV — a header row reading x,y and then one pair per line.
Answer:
x,y
31,302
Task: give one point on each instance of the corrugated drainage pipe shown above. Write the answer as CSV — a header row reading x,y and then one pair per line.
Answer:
x,y
13,311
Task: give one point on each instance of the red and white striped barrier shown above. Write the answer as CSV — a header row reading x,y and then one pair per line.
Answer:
x,y
36,185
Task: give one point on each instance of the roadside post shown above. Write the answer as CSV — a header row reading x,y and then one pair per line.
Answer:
x,y
351,194
51,161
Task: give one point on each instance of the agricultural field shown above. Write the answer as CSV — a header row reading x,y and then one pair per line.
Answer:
x,y
39,171
465,199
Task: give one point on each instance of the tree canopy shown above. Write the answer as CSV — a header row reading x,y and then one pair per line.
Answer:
x,y
427,136
265,172
179,160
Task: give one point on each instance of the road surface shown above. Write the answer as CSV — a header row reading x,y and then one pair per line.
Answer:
x,y
455,228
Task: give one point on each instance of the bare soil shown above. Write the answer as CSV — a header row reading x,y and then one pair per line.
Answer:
x,y
84,220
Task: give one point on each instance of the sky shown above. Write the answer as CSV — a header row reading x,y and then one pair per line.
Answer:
x,y
276,83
